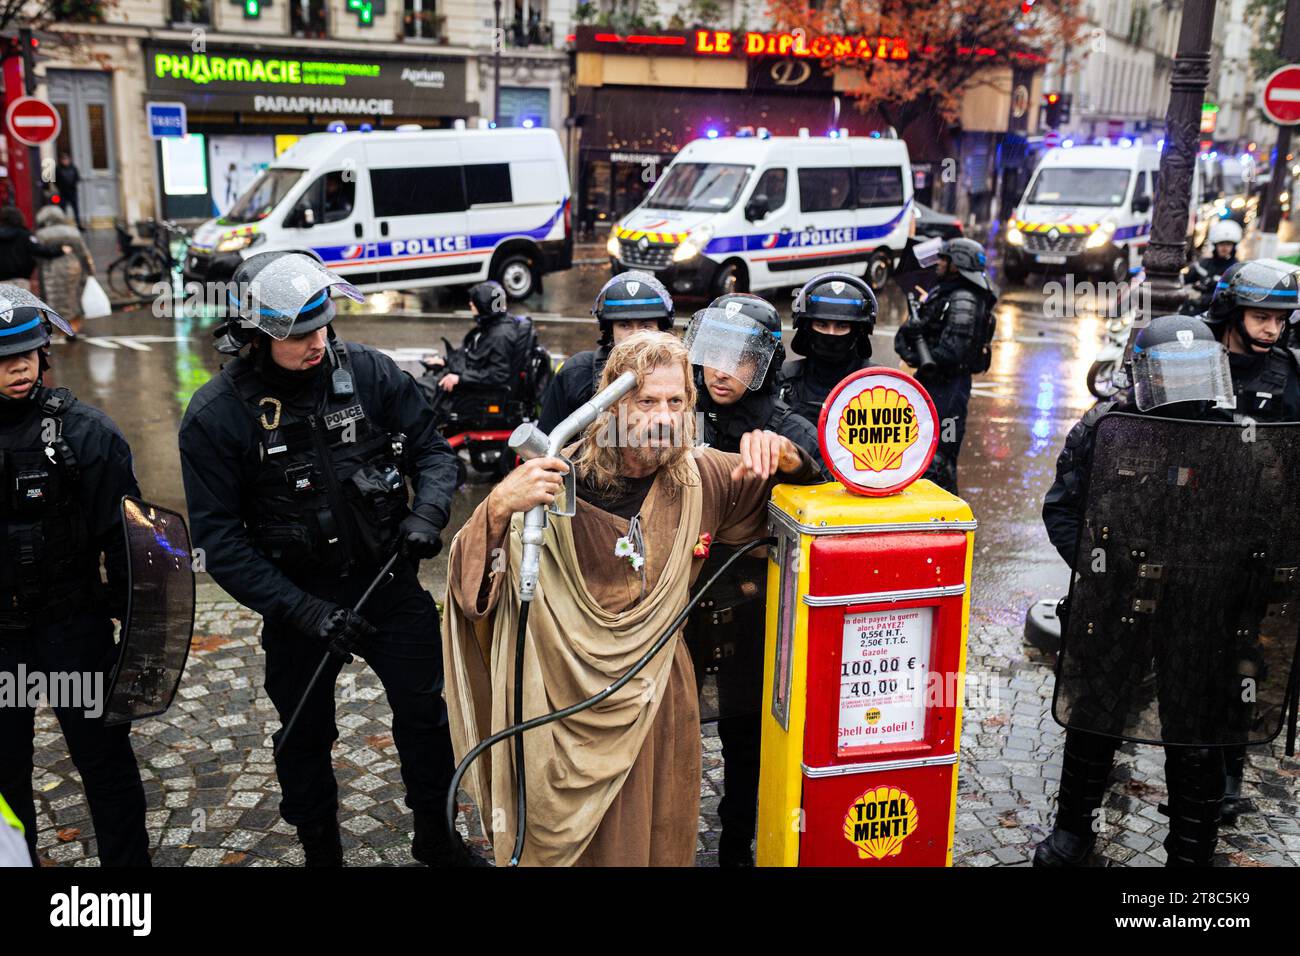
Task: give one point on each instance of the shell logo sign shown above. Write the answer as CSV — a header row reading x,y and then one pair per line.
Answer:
x,y
878,431
877,426
879,821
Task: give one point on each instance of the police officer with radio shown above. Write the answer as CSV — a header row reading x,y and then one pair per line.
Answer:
x,y
834,316
735,345
1179,371
948,339
630,302
296,461
66,468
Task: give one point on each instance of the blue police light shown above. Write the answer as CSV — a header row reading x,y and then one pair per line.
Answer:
x,y
711,133
1066,143
366,128
1214,154
528,123
833,134
337,127
1125,142
875,134
1160,143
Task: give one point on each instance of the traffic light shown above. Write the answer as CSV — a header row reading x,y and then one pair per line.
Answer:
x,y
1052,110
1063,108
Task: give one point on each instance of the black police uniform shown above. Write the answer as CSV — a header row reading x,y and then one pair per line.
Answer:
x,y
956,321
805,383
572,387
60,512
296,496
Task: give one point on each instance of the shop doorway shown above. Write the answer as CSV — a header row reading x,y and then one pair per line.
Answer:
x,y
85,104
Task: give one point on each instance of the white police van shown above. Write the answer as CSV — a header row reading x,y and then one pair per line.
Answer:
x,y
1087,209
405,209
757,212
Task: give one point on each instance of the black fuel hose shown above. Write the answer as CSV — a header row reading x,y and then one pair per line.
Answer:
x,y
517,730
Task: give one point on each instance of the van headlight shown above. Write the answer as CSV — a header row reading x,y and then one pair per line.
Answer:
x,y
237,241
1101,235
693,244
611,244
1014,236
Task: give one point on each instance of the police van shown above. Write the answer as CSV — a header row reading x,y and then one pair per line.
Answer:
x,y
405,209
757,212
1087,209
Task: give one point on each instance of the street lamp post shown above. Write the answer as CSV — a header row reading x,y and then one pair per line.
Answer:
x,y
498,40
1166,255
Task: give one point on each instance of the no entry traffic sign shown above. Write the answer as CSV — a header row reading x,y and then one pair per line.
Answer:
x,y
1282,96
32,121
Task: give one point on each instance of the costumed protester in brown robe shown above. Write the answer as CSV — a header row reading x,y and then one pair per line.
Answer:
x,y
619,783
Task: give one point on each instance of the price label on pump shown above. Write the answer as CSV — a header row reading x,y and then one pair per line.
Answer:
x,y
884,666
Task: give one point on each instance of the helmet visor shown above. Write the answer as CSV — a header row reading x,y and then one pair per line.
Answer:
x,y
284,288
732,343
13,298
1266,283
1172,372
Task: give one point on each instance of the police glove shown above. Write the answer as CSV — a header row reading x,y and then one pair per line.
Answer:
x,y
346,632
420,538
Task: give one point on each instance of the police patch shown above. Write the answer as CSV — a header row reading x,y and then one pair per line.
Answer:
x,y
353,413
732,308
837,287
632,287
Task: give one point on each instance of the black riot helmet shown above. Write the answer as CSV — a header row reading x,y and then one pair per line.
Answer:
x,y
1177,360
489,299
967,256
834,297
632,296
766,315
281,293
1268,284
25,322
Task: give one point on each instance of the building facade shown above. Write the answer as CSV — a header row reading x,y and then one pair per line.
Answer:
x,y
254,75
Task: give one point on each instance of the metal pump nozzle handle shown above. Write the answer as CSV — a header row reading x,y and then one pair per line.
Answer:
x,y
529,439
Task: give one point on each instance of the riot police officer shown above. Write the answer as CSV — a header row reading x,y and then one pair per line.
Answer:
x,y
1222,237
735,345
1249,313
1191,383
66,468
954,325
834,316
630,302
296,460
486,361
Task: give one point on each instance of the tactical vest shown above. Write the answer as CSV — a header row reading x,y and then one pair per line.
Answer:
x,y
330,490
49,565
1261,396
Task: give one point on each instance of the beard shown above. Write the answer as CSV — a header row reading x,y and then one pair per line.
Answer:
x,y
656,445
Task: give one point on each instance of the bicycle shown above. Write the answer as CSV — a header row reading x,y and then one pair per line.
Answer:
x,y
144,264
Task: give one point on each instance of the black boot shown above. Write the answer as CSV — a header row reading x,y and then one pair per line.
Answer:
x,y
434,846
735,851
1234,768
1195,780
321,843
1085,765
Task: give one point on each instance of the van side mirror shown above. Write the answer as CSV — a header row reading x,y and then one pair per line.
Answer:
x,y
303,217
756,208
1141,203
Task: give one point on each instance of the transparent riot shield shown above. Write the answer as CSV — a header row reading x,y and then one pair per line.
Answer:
x,y
1182,620
160,613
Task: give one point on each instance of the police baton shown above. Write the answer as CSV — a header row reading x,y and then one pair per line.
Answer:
x,y
385,573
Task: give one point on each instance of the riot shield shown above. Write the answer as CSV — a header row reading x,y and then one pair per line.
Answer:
x,y
1182,624
159,622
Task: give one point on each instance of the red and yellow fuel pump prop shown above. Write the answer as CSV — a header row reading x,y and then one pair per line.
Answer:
x,y
865,661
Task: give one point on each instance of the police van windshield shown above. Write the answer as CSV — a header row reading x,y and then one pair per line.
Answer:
x,y
700,187
1061,186
263,196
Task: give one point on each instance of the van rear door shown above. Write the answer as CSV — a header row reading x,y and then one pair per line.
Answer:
x,y
421,236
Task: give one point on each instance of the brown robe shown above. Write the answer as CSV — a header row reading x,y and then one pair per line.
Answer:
x,y
619,784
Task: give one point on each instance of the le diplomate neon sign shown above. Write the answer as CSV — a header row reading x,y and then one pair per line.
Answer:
x,y
798,44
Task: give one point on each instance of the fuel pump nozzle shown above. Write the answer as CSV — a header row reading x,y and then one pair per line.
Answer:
x,y
528,441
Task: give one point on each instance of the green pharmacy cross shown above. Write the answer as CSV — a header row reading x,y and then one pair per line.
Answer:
x,y
367,10
252,8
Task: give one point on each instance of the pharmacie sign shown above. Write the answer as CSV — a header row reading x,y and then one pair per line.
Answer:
x,y
299,81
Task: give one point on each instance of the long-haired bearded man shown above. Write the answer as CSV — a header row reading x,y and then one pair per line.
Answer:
x,y
619,783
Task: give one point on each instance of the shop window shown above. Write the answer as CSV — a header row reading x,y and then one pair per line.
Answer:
x,y
191,11
417,191
420,20
821,190
307,18
98,135
879,186
772,184
488,183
